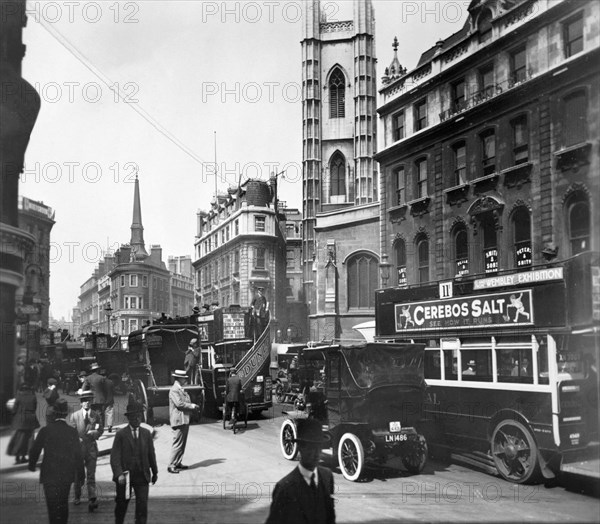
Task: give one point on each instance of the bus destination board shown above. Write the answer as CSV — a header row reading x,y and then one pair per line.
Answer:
x,y
233,326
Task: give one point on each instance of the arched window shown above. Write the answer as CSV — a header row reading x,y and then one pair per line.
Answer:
x,y
400,254
337,95
337,171
522,237
362,281
461,250
422,259
578,216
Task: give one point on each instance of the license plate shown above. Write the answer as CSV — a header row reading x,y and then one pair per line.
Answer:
x,y
395,426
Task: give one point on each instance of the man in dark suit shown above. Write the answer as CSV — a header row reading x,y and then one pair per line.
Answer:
x,y
304,495
62,462
233,392
133,456
95,382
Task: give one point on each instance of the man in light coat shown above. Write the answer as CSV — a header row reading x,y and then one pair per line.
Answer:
x,y
180,407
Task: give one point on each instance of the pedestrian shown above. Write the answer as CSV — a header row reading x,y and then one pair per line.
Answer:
x,y
24,423
109,401
20,373
88,424
62,464
95,382
233,392
260,312
192,357
180,407
132,455
51,395
32,374
304,495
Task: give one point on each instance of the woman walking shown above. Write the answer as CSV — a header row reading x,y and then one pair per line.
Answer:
x,y
24,423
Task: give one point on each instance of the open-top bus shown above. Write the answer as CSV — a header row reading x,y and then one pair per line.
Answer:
x,y
510,364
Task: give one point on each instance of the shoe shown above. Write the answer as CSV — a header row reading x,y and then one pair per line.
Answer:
x,y
92,505
77,502
110,429
172,470
181,466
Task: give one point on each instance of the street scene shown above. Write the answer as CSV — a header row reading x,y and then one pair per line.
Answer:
x,y
309,261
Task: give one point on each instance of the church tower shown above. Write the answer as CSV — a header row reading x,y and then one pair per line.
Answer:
x,y
339,123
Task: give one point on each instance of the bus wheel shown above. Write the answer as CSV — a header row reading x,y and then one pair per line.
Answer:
x,y
416,456
515,452
351,456
287,439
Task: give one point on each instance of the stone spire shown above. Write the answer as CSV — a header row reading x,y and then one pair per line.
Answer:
x,y
137,230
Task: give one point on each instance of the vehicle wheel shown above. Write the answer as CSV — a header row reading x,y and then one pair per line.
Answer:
x,y
287,440
140,395
515,452
351,456
279,394
416,457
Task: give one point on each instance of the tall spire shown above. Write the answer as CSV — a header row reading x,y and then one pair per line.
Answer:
x,y
137,230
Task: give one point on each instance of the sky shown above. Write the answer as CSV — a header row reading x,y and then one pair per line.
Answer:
x,y
158,89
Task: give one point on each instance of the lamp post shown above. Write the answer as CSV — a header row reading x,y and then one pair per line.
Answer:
x,y
108,310
384,268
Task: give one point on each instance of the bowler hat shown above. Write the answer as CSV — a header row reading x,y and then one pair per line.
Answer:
x,y
94,366
134,407
60,408
471,363
193,341
179,373
310,431
85,394
52,382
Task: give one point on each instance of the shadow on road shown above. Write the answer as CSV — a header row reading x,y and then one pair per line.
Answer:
x,y
207,463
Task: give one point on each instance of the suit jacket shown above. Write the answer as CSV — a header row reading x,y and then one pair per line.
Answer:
x,y
121,454
233,388
293,500
180,406
88,433
95,382
62,454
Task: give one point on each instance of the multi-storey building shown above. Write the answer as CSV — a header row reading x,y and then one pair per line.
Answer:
x,y
182,285
490,159
340,242
240,246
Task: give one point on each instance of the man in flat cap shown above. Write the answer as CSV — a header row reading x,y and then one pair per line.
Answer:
x,y
304,495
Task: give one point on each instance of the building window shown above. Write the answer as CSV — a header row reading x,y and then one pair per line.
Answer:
x,y
575,118
217,274
488,152
227,233
259,262
484,24
400,186
398,126
458,95
422,259
461,250
490,243
421,167
337,171
578,215
520,137
522,237
259,223
421,115
133,324
460,164
362,281
133,280
144,280
236,261
337,95
400,253
486,81
518,66
290,259
123,328
222,236
237,226
122,280
573,35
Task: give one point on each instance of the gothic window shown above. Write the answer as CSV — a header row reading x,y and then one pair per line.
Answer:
x,y
461,250
521,221
578,216
400,253
422,258
575,118
337,171
362,281
337,95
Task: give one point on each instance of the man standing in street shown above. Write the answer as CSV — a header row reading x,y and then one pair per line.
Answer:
x,y
95,383
133,463
109,401
304,495
180,407
62,464
88,424
192,357
233,391
51,395
260,312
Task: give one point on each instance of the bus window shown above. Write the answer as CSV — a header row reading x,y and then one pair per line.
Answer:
x,y
433,364
451,364
477,365
514,361
205,359
570,351
542,358
334,370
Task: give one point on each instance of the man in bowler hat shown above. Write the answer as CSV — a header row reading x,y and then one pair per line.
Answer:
x,y
132,455
62,464
304,495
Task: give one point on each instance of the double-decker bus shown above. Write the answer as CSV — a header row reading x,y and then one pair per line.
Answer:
x,y
510,364
226,340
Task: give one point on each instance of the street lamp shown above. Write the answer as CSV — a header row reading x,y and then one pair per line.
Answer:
x,y
384,268
108,310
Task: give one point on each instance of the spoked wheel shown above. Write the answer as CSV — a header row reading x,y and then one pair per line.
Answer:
x,y
287,440
351,456
141,396
515,452
416,456
279,393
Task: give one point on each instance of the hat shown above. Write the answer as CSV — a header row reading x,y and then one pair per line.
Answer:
x,y
82,374
84,394
471,363
60,408
260,289
94,366
52,382
310,431
193,341
196,309
233,370
179,373
134,407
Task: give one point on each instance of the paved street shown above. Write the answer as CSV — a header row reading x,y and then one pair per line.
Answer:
x,y
231,476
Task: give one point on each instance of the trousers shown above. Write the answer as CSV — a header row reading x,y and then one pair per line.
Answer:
x,y
57,502
180,435
141,491
89,450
